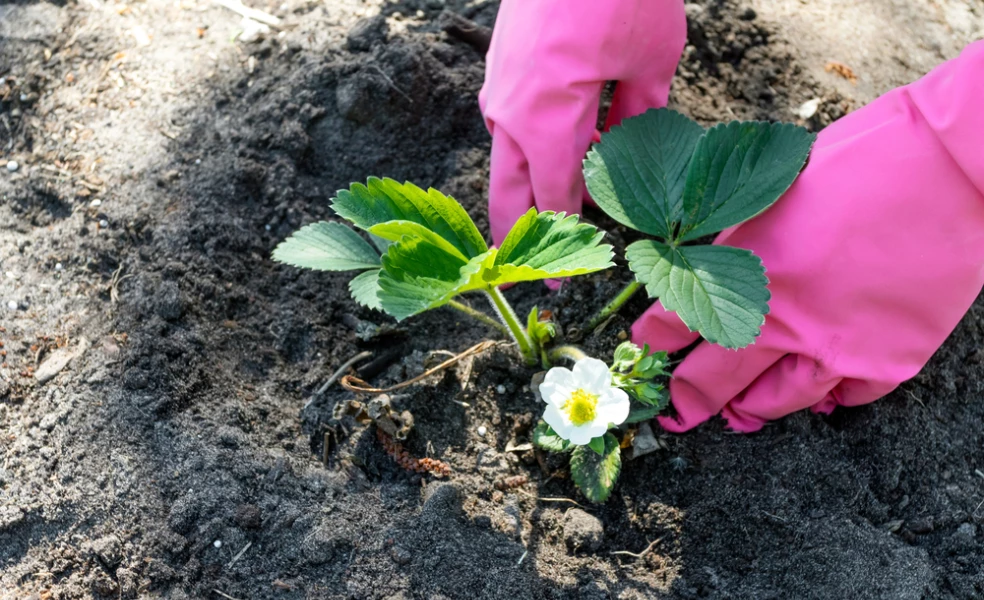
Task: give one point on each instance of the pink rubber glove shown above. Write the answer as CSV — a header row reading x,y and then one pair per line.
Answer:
x,y
873,257
545,70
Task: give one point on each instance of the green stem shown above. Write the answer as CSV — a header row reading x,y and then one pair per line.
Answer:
x,y
613,306
508,316
476,314
570,352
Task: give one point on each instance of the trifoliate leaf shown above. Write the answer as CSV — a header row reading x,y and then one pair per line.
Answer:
x,y
648,393
637,172
638,414
383,200
595,474
717,290
418,276
545,245
598,445
625,357
394,231
545,437
326,247
737,171
651,365
365,289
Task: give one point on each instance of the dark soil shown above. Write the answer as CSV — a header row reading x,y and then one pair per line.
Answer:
x,y
176,456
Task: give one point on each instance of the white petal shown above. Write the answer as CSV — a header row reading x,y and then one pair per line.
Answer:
x,y
555,394
557,386
560,376
615,413
555,419
585,433
592,375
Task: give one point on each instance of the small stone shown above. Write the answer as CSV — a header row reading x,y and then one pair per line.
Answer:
x,y
966,531
59,267
253,31
12,304
500,389
96,203
482,430
808,108
400,555
217,543
12,165
248,516
366,33
103,223
921,526
198,161
582,530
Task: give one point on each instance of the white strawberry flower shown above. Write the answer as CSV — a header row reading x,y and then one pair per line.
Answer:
x,y
582,403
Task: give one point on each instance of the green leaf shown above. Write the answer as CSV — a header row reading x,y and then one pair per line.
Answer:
x,y
738,170
546,245
626,356
394,231
383,200
636,174
717,290
649,393
546,438
638,414
651,365
595,474
365,289
598,445
419,276
326,247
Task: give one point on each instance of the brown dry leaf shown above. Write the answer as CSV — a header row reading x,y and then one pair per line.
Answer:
x,y
839,68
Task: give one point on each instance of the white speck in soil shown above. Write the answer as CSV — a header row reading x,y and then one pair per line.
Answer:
x,y
96,203
482,430
217,543
10,275
500,389
12,305
198,161
103,223
267,227
59,267
12,165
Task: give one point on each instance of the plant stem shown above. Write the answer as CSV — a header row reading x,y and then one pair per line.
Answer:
x,y
476,314
571,352
613,306
508,316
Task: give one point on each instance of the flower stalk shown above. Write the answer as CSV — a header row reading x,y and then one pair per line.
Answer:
x,y
516,329
616,303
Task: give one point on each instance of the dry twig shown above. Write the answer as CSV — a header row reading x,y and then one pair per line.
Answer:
x,y
354,384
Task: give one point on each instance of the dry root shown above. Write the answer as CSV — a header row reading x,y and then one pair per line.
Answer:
x,y
403,458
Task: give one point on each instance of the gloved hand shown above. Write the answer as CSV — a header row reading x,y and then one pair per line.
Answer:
x,y
873,257
545,70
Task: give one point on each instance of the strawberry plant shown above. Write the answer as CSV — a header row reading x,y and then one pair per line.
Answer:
x,y
662,174
427,251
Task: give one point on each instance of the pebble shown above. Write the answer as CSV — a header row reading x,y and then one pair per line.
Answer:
x,y
103,223
59,267
12,305
582,530
500,389
217,543
482,430
12,165
96,203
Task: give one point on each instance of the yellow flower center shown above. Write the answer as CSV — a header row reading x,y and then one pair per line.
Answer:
x,y
581,407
